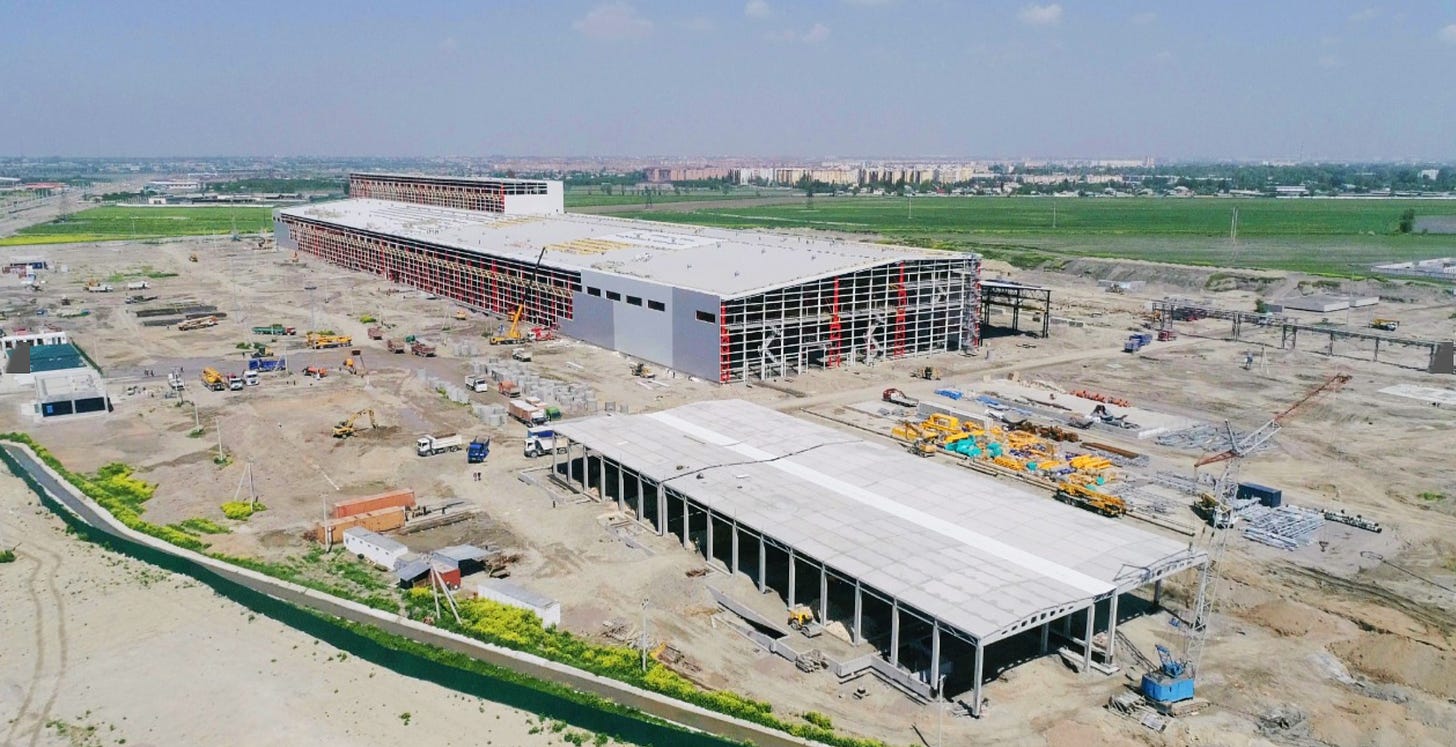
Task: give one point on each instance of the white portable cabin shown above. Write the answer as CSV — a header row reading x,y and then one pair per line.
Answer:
x,y
374,547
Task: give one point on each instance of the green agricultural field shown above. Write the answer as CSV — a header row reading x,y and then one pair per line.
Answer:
x,y
1321,236
139,222
576,198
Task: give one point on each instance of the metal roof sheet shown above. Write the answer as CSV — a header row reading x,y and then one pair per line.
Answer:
x,y
723,262
981,555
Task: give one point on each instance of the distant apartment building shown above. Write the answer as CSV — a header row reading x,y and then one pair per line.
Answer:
x,y
665,174
175,186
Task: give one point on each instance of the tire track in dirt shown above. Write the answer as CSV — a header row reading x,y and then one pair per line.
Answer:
x,y
33,597
62,641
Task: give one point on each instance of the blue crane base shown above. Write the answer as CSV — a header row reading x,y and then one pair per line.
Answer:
x,y
1161,687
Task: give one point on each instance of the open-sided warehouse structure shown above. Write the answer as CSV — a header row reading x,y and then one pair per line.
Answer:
x,y
930,563
720,304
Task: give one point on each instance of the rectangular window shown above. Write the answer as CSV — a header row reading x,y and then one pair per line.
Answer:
x,y
614,296
634,300
656,306
706,316
590,291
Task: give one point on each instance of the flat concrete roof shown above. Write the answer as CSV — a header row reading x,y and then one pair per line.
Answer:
x,y
722,262
985,557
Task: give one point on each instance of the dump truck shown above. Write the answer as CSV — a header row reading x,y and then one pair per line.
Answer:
x,y
395,345
541,441
508,388
213,380
137,285
521,354
234,382
477,451
94,287
428,445
375,333
174,382
526,413
250,378
1388,325
477,383
418,347
275,330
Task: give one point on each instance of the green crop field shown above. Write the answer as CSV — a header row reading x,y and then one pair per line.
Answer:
x,y
1321,236
130,221
580,198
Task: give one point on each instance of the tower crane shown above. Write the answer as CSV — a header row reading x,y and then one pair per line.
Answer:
x,y
1170,687
513,336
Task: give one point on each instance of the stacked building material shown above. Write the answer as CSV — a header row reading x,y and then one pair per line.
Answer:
x,y
1286,527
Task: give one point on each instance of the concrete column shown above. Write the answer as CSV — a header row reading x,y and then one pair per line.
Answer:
x,y
858,613
733,567
935,657
641,496
685,526
621,489
709,543
793,578
895,633
762,564
661,511
1067,626
1112,629
976,691
823,593
1087,642
553,461
1046,630
602,477
1157,592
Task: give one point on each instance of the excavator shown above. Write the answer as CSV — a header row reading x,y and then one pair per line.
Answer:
x,y
513,335
346,428
918,440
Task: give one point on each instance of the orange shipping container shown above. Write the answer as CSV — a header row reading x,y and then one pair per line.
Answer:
x,y
382,520
353,506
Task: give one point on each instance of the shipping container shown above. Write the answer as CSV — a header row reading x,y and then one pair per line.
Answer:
x,y
349,507
1267,496
382,520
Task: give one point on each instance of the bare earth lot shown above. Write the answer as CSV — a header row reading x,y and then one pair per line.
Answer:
x,y
1363,653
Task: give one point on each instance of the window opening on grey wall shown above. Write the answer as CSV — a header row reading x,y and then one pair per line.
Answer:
x,y
707,316
634,300
657,306
590,291
614,296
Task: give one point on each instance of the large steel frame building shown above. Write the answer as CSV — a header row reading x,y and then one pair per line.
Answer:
x,y
720,304
943,570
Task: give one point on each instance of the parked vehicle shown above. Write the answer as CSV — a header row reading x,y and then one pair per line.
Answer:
x,y
395,345
431,445
477,451
478,383
275,330
527,413
541,441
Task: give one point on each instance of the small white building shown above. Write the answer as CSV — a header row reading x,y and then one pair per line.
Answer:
x,y
505,592
374,547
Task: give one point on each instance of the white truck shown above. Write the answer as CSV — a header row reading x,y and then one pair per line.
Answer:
x,y
250,378
541,440
432,445
174,382
137,285
99,288
478,383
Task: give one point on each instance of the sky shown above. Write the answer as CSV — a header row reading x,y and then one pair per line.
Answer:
x,y
1232,79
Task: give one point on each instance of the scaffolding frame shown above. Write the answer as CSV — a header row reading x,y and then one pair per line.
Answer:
x,y
1016,297
888,311
481,194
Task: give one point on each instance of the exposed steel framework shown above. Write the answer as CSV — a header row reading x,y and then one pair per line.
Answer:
x,y
894,310
486,282
483,194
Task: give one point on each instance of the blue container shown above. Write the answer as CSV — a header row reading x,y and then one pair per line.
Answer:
x,y
1267,496
1161,687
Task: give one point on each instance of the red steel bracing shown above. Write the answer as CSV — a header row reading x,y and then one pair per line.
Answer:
x,y
832,360
900,316
495,299
724,345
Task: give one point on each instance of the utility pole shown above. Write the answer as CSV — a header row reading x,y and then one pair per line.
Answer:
x,y
217,425
940,713
1054,215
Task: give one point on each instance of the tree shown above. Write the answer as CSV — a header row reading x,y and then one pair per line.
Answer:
x,y
607,189
1407,221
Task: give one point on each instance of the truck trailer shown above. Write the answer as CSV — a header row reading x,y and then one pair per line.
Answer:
x,y
428,445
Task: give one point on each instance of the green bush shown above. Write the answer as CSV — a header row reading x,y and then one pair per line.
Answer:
x,y
199,525
241,510
367,319
818,719
7,556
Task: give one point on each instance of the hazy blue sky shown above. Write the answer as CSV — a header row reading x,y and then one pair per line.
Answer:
x,y
1219,79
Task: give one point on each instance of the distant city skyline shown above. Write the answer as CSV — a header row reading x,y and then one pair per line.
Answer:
x,y
820,79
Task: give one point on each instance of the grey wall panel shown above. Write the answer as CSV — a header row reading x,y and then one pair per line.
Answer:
x,y
592,320
641,331
694,343
280,234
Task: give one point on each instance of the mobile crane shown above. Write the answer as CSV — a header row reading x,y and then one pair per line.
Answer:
x,y
513,335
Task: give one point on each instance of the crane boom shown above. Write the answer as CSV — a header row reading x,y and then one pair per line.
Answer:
x,y
513,334
1241,446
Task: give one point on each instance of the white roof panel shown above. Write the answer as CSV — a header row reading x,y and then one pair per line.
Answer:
x,y
980,555
723,262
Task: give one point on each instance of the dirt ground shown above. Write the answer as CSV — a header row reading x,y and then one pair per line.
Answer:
x,y
1346,648
104,650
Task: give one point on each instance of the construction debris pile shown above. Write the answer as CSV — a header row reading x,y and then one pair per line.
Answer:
x,y
1202,437
573,398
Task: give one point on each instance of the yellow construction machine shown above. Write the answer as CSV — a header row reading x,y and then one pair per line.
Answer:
x,y
1388,325
213,380
929,373
513,334
1085,497
346,428
353,366
800,615
460,315
919,440
643,371
319,341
